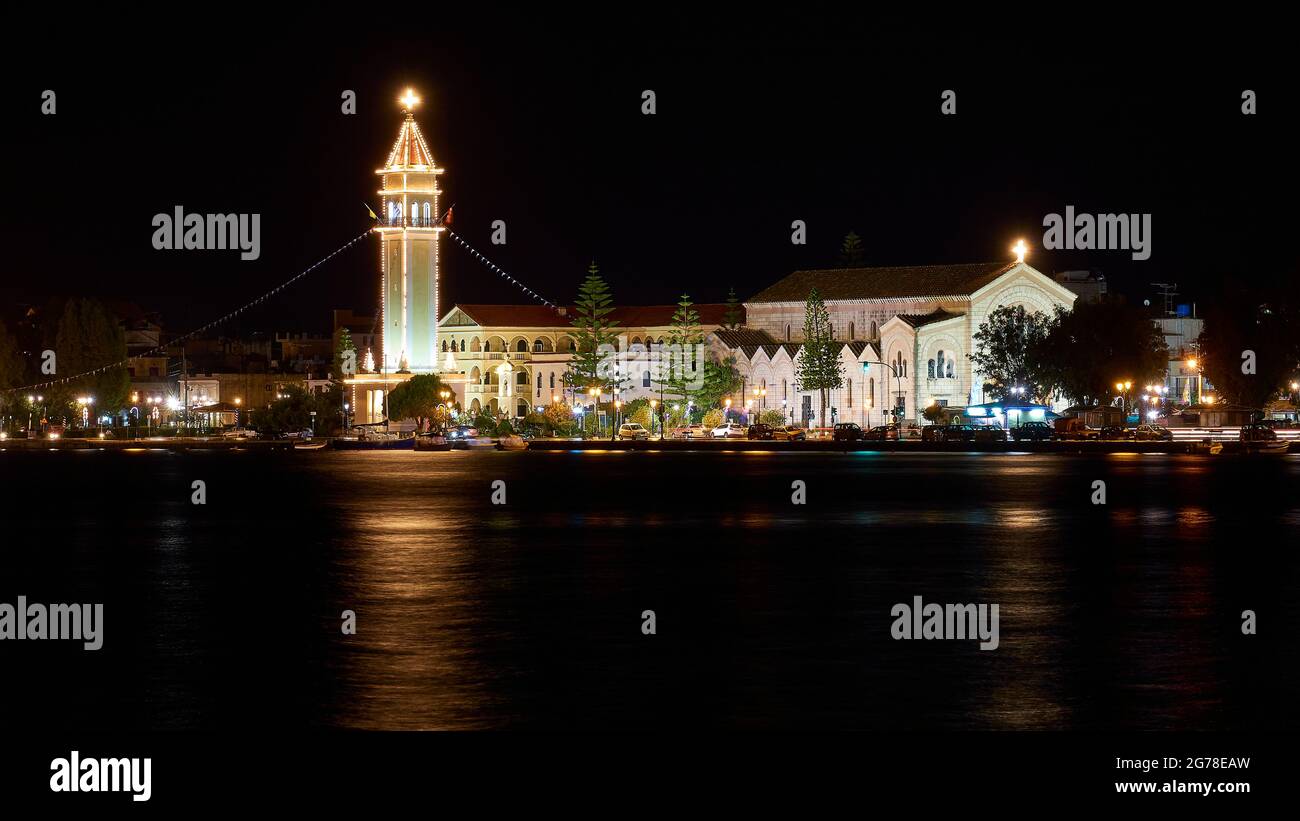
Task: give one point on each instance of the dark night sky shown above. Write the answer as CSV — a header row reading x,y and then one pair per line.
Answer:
x,y
539,124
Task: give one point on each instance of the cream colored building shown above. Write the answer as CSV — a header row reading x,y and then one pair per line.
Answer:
x,y
906,333
508,359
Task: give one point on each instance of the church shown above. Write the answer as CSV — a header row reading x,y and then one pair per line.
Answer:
x,y
904,333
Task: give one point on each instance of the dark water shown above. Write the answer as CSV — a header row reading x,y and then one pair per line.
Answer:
x,y
528,615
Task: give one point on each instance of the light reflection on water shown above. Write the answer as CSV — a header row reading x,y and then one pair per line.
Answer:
x,y
770,614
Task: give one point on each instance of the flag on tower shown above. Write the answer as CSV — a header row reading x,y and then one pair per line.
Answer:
x,y
447,221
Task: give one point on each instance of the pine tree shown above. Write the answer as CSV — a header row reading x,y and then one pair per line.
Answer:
x,y
592,329
733,318
342,345
676,381
851,251
819,368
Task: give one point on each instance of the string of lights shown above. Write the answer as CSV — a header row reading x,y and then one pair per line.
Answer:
x,y
498,269
214,323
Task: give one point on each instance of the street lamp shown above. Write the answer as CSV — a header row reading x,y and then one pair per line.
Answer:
x,y
654,404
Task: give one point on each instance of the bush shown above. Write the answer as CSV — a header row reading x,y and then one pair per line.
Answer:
x,y
713,418
773,417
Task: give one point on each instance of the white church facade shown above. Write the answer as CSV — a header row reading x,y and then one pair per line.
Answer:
x,y
906,334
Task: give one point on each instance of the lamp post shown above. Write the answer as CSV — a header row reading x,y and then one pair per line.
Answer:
x,y
594,393
654,404
613,428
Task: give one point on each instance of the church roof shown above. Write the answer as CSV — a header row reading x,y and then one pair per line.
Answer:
x,y
539,316
919,320
906,282
743,336
410,151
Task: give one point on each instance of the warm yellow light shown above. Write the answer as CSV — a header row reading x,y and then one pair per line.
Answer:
x,y
409,100
238,401
1119,386
1191,363
1020,249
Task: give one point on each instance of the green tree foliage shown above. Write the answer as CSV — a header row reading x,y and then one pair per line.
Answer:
x,y
721,379
417,398
678,379
292,411
1010,348
772,416
934,413
89,338
1089,349
713,418
852,254
819,367
592,328
732,317
1242,321
560,420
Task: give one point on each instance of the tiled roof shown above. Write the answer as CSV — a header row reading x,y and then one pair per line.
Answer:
x,y
539,316
919,320
743,336
884,283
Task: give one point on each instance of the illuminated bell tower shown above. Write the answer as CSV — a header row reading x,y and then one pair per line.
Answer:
x,y
408,231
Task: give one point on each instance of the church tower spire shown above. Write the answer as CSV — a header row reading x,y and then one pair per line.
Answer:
x,y
409,231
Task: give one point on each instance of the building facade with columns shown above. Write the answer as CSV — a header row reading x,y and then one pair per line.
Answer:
x,y
905,335
509,359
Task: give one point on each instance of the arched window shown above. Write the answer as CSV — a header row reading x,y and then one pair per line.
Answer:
x,y
444,346
931,367
871,391
537,346
645,379
787,332
852,331
427,221
539,384
785,389
552,380
873,330
521,346
949,374
462,346
849,384
939,362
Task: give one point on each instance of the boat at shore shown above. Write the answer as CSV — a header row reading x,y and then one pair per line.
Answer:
x,y
1261,439
432,441
310,445
512,442
367,437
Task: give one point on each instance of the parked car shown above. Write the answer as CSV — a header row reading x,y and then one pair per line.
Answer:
x,y
689,432
847,432
303,434
239,433
949,433
632,430
759,431
729,430
989,433
1072,428
882,433
790,433
1153,433
1115,433
462,432
1032,432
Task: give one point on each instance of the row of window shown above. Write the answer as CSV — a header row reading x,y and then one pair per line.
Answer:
x,y
396,217
853,332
